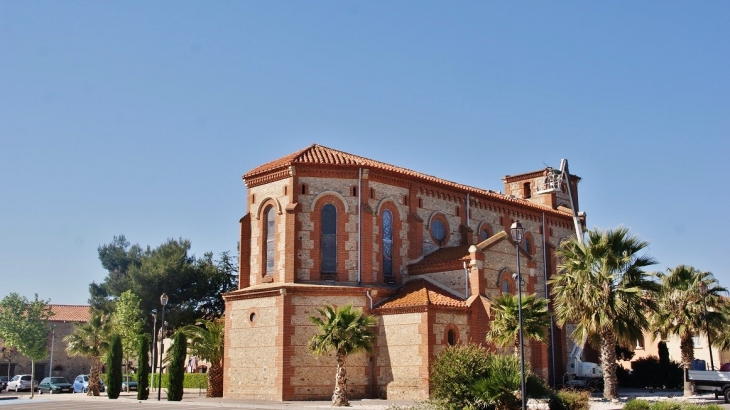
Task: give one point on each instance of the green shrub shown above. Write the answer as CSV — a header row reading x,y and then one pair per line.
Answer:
x,y
667,405
498,387
651,372
637,404
624,377
192,381
114,361
143,370
453,373
696,406
570,400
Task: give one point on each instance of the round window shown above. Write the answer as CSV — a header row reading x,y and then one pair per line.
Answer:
x,y
437,230
252,317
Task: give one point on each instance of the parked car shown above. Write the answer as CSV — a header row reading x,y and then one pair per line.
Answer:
x,y
55,385
4,383
22,382
132,384
81,384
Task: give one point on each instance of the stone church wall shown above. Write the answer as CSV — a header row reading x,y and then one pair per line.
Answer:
x,y
402,358
252,353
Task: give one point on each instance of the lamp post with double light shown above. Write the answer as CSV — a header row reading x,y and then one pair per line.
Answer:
x,y
517,232
163,302
703,292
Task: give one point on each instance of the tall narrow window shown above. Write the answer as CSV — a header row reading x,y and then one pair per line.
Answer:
x,y
451,337
387,243
329,239
505,287
484,234
270,246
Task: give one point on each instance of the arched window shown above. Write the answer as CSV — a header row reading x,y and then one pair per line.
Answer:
x,y
329,239
505,287
526,244
269,223
387,243
451,337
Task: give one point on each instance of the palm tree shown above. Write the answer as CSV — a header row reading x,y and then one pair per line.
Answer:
x,y
505,328
207,343
345,331
604,291
681,308
91,340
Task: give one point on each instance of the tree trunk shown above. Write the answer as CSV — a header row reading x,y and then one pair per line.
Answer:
x,y
32,377
339,397
94,376
687,348
215,381
608,364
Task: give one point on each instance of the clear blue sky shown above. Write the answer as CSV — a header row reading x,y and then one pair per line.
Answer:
x,y
139,118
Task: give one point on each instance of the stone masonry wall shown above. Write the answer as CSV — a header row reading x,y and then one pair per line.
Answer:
x,y
453,280
313,377
251,369
443,322
401,361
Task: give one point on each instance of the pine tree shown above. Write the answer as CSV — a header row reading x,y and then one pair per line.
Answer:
x,y
114,361
176,368
143,368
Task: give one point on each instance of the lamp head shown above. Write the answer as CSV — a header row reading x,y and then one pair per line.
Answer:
x,y
703,288
517,231
164,299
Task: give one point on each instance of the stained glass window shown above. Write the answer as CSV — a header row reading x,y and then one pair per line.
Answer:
x,y
387,243
270,245
437,230
329,239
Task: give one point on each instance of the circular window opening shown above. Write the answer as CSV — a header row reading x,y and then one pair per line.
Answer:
x,y
252,317
437,229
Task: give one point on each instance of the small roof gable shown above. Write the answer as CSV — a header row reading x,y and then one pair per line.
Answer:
x,y
494,239
421,293
441,259
70,313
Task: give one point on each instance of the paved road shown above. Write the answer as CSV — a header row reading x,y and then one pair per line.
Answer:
x,y
191,401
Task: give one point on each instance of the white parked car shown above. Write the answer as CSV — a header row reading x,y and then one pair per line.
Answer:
x,y
22,382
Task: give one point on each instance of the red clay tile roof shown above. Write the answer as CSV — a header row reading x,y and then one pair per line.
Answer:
x,y
70,313
422,293
321,155
440,257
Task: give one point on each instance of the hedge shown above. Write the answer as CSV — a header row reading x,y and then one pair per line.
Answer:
x,y
192,380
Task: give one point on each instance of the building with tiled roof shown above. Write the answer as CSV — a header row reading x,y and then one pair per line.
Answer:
x,y
423,254
61,324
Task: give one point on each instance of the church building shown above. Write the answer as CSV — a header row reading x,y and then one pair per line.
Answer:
x,y
424,255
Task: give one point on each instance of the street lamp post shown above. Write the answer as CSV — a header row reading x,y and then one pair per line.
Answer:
x,y
163,301
154,344
53,339
703,292
517,231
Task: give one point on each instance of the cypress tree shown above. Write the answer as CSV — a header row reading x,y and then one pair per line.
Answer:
x,y
114,361
176,368
143,368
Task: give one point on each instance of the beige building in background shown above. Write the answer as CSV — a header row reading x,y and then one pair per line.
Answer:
x,y
60,325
